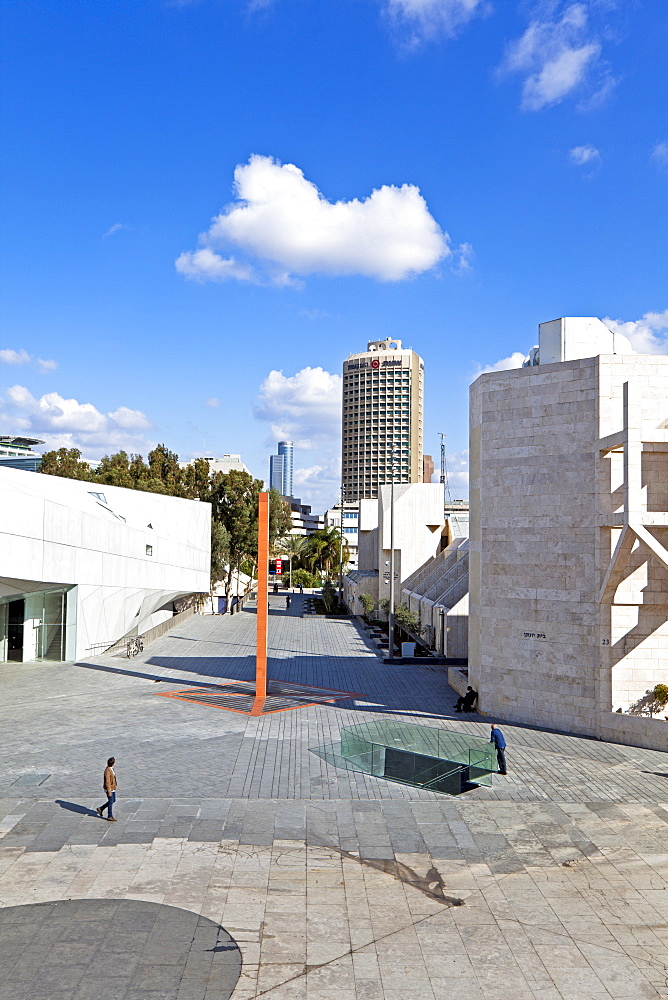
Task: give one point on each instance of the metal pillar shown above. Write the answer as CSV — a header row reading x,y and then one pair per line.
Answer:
x,y
262,601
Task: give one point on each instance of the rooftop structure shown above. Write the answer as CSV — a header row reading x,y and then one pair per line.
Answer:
x,y
17,453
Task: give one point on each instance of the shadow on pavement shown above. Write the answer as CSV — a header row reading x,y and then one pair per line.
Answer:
x,y
74,807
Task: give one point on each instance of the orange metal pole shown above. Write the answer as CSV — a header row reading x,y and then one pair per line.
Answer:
x,y
262,601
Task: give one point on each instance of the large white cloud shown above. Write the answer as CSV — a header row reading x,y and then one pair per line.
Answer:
x,y
304,407
648,335
425,19
67,423
556,55
285,228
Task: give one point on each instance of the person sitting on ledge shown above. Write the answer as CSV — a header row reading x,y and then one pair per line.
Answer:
x,y
467,701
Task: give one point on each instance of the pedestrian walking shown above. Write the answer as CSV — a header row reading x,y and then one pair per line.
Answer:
x,y
288,598
498,739
301,591
110,785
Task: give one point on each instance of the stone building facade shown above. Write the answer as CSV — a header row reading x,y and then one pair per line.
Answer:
x,y
569,544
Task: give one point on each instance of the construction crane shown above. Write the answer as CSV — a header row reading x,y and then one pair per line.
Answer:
x,y
444,471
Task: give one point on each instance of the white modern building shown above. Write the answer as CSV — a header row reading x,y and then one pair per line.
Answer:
x,y
226,463
569,535
382,424
304,521
419,534
83,565
348,516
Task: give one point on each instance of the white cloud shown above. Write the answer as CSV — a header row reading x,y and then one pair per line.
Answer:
x,y
514,360
422,20
67,423
659,154
213,402
205,265
463,259
556,56
458,474
304,407
11,357
116,228
284,227
648,335
46,366
580,155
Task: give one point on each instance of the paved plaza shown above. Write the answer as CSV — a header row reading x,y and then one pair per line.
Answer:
x,y
243,865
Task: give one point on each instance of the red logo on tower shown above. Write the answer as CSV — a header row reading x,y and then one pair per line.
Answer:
x,y
375,363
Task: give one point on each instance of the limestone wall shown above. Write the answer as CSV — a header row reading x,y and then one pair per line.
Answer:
x,y
548,505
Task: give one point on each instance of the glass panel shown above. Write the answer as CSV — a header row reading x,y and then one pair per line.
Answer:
x,y
430,758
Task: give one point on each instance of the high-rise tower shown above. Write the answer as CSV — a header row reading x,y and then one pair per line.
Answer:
x,y
280,469
383,401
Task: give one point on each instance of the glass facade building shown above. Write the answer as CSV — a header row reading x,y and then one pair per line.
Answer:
x,y
281,469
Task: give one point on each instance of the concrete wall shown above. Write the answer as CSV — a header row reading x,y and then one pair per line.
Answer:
x,y
551,495
125,554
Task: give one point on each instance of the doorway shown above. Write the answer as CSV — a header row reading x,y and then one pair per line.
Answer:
x,y
15,620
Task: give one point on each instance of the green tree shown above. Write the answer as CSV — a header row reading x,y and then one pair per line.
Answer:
x,y
220,552
196,479
303,577
114,470
329,596
368,603
291,547
234,499
66,462
322,550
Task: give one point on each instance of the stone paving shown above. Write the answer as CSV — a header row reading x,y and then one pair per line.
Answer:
x,y
550,885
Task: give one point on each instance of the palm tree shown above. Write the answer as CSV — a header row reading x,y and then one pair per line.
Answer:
x,y
292,546
323,549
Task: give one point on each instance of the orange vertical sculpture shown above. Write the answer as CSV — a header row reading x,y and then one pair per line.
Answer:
x,y
262,603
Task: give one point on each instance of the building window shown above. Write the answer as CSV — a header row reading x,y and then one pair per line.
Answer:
x,y
149,550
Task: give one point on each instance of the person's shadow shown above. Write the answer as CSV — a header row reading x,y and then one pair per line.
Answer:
x,y
75,808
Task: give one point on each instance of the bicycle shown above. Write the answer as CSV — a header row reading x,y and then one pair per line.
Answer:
x,y
135,646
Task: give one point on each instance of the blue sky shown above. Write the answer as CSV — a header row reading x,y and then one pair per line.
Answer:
x,y
209,204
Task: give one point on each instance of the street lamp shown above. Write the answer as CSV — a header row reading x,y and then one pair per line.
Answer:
x,y
395,468
343,495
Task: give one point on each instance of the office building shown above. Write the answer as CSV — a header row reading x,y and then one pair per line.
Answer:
x,y
83,565
568,544
17,453
349,515
281,469
383,400
427,468
276,473
304,521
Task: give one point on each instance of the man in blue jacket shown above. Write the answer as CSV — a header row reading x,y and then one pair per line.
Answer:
x,y
497,738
